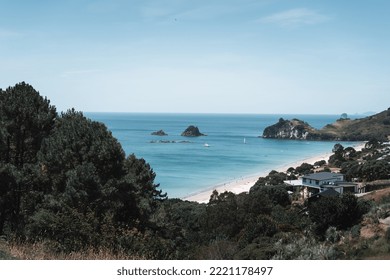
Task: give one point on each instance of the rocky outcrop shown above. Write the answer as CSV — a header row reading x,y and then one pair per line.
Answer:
x,y
289,129
192,131
373,127
159,133
169,142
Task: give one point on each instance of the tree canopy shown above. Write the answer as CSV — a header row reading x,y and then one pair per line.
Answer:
x,y
65,178
26,119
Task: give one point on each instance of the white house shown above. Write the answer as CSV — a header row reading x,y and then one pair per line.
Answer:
x,y
318,182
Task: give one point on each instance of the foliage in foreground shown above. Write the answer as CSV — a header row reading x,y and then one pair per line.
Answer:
x,y
65,178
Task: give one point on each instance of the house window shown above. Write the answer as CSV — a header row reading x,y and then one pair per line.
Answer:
x,y
317,182
304,180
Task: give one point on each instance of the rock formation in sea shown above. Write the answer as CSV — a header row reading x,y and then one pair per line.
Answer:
x,y
159,133
288,129
169,141
192,131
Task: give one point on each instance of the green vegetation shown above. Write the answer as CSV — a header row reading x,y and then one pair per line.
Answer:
x,y
340,212
65,180
67,190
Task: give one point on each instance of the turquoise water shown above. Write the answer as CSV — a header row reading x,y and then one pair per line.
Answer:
x,y
185,168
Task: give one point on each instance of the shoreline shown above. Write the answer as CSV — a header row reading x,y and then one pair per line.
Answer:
x,y
244,184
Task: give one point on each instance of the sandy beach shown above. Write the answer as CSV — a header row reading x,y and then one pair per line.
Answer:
x,y
244,184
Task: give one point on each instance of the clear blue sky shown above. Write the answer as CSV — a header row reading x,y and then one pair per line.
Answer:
x,y
218,56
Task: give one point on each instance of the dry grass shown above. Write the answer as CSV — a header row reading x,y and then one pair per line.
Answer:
x,y
377,195
41,251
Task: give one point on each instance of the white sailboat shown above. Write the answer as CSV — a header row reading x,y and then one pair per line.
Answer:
x,y
244,140
206,145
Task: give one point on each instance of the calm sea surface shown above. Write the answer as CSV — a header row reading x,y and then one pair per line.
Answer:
x,y
185,165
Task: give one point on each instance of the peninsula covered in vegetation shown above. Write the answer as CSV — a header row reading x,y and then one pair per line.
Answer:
x,y
344,129
68,191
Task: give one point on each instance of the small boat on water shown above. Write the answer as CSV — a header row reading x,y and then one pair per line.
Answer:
x,y
244,140
206,145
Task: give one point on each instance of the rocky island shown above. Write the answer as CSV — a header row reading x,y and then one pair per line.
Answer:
x,y
289,129
192,131
376,126
159,133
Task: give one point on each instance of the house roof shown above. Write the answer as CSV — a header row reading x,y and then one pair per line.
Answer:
x,y
329,193
322,176
326,193
345,184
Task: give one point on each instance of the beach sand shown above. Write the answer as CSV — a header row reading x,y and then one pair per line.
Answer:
x,y
244,184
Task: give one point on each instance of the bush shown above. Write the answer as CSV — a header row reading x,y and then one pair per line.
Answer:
x,y
304,168
320,163
272,179
355,231
263,249
277,194
332,235
340,212
293,247
260,226
387,234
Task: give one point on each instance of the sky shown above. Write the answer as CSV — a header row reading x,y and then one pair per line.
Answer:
x,y
215,56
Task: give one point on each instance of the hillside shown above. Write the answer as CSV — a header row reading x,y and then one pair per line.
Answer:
x,y
375,126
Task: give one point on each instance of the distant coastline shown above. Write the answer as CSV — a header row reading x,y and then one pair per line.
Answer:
x,y
245,183
186,169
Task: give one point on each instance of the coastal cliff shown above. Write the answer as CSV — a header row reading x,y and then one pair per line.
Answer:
x,y
376,126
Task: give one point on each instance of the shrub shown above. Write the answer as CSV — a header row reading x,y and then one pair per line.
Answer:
x,y
340,212
304,168
387,234
332,235
320,163
277,194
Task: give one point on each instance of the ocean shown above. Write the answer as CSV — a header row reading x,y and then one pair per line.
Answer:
x,y
231,150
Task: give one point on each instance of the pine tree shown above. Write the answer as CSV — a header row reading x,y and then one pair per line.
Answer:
x,y
26,119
